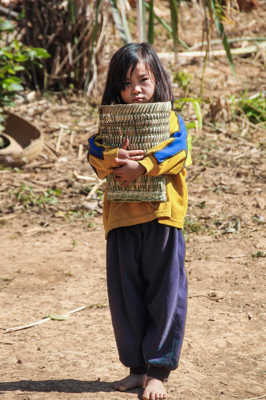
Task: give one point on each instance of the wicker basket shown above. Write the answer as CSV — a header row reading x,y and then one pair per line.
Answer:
x,y
145,125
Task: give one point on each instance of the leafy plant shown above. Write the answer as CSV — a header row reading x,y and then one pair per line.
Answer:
x,y
29,198
216,10
259,253
172,29
192,225
81,214
184,80
254,107
180,103
14,58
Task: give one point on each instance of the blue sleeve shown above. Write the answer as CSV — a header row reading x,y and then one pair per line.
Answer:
x,y
94,149
176,146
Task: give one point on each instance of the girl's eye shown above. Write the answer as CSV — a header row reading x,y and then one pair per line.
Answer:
x,y
144,79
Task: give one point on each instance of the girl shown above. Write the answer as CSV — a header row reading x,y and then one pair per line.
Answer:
x,y
146,279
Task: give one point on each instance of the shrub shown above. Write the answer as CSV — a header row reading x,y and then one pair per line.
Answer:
x,y
14,58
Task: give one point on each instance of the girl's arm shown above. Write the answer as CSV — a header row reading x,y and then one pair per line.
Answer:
x,y
100,158
169,157
104,159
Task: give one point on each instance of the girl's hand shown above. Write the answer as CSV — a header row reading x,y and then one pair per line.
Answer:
x,y
124,154
128,171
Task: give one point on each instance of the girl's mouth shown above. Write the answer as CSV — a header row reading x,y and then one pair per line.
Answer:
x,y
138,99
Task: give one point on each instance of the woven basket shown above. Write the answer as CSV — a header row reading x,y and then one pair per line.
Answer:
x,y
24,142
145,125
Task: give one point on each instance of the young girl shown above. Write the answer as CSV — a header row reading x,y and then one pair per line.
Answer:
x,y
146,279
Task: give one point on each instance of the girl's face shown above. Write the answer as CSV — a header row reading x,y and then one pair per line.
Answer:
x,y
139,85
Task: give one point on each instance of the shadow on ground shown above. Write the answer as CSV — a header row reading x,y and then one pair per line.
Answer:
x,y
63,386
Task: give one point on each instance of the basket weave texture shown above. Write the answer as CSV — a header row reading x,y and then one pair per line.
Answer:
x,y
145,125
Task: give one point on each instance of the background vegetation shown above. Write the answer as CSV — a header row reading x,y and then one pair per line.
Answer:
x,y
75,33
65,45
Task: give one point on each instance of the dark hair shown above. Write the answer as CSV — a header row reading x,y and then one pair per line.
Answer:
x,y
126,57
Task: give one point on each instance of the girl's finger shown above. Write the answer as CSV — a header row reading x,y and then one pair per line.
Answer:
x,y
136,151
120,161
125,144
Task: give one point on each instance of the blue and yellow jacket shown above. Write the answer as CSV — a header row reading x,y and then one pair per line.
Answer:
x,y
169,158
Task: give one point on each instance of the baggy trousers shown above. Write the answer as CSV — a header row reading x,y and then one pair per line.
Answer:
x,y
147,291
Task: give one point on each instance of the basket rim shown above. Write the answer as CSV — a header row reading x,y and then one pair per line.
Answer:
x,y
137,107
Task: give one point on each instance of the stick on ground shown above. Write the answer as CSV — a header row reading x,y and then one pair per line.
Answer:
x,y
41,321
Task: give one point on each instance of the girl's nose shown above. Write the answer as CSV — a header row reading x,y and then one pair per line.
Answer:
x,y
136,89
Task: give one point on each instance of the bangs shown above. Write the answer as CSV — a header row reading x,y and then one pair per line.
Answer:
x,y
124,73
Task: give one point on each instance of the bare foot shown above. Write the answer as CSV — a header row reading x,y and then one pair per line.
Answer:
x,y
154,389
130,382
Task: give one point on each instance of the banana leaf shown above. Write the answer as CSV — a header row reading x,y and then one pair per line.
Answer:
x,y
120,23
151,22
165,25
217,14
174,21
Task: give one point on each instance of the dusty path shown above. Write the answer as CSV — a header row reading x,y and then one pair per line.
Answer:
x,y
62,268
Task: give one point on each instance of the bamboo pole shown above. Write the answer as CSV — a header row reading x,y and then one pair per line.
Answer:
x,y
141,21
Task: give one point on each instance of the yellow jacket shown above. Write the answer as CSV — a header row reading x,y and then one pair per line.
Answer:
x,y
169,158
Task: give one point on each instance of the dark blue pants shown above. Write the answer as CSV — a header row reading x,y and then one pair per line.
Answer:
x,y
147,291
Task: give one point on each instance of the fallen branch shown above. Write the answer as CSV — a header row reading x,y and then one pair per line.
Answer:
x,y
233,40
214,53
84,178
6,11
41,321
214,298
80,153
243,255
94,189
47,183
58,144
52,150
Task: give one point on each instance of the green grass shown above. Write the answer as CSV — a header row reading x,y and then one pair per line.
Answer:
x,y
28,197
253,107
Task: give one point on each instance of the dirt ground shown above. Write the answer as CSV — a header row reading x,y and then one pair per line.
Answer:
x,y
53,252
